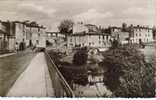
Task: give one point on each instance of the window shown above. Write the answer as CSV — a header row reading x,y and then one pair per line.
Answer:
x,y
71,40
103,37
99,37
107,37
71,44
140,34
136,34
38,29
99,42
89,44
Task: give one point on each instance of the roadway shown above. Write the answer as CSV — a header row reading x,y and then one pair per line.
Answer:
x,y
34,81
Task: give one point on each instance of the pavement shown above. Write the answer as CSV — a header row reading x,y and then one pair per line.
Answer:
x,y
34,81
5,55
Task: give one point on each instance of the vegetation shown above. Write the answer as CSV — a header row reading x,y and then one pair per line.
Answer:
x,y
73,72
66,27
127,74
80,57
76,75
56,56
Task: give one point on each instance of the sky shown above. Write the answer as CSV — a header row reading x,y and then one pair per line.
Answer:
x,y
99,12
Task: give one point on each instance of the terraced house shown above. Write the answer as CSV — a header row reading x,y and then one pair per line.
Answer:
x,y
87,35
2,36
141,34
133,34
7,37
16,32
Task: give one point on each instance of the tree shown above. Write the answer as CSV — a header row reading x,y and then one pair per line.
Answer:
x,y
124,27
66,27
127,74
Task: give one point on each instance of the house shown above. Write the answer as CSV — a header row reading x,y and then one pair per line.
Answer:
x,y
12,32
87,35
2,36
154,33
81,27
7,38
114,29
141,34
88,39
35,34
19,32
132,34
122,37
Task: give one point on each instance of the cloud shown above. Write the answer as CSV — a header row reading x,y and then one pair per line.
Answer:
x,y
38,8
92,15
138,11
100,12
139,15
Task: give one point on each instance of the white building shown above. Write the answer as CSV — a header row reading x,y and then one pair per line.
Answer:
x,y
19,32
88,39
87,28
141,34
2,33
55,37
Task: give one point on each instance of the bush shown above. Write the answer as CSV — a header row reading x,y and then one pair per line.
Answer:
x,y
127,74
80,57
77,75
56,56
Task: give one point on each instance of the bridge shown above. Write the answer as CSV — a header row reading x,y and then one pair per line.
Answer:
x,y
41,79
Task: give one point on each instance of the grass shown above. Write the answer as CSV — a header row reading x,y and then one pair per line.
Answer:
x,y
11,67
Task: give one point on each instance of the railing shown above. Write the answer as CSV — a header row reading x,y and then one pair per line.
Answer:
x,y
61,87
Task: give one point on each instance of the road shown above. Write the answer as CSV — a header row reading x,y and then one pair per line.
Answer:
x,y
11,67
34,81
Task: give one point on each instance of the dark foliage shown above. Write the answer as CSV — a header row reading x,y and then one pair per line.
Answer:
x,y
71,72
127,74
55,56
80,57
66,26
76,75
48,43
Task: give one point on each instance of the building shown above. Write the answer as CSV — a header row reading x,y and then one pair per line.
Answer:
x,y
89,40
122,37
55,38
6,35
16,32
141,34
87,28
115,29
2,36
87,35
133,34
19,32
154,33
35,34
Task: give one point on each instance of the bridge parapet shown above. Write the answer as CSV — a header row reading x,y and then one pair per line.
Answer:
x,y
61,87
